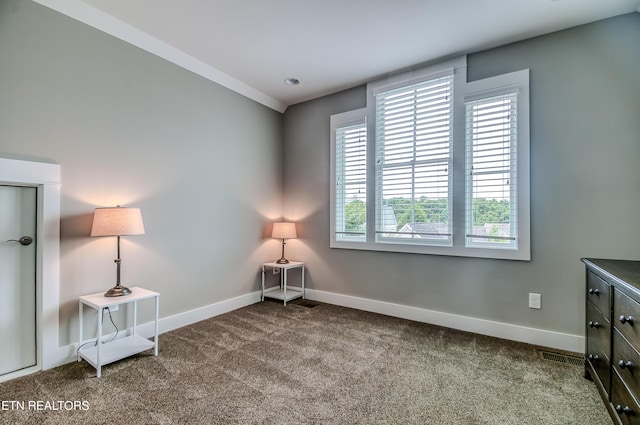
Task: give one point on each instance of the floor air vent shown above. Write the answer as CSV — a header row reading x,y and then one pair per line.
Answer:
x,y
305,303
562,358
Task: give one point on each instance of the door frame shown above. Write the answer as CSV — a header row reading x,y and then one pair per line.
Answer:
x,y
45,177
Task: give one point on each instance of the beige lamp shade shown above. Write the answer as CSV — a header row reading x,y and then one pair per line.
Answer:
x,y
117,222
284,231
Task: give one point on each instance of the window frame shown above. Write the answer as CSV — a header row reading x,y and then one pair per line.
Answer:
x,y
423,160
462,92
517,81
343,120
474,120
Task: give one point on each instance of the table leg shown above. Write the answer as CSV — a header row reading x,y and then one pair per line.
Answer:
x,y
99,343
303,281
135,316
80,317
262,297
284,278
155,338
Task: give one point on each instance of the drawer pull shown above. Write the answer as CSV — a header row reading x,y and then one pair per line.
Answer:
x,y
593,324
594,291
594,357
627,319
625,409
623,364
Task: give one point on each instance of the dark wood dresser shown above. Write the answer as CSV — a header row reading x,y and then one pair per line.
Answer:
x,y
613,335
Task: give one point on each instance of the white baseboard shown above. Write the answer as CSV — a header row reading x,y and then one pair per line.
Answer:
x,y
541,337
179,320
544,338
67,354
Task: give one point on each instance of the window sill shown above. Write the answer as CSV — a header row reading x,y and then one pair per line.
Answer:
x,y
453,251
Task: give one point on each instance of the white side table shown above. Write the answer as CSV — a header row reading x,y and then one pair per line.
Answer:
x,y
283,292
101,354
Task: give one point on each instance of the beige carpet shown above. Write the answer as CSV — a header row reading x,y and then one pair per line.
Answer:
x,y
269,364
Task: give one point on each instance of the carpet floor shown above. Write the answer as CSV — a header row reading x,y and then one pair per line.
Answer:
x,y
270,364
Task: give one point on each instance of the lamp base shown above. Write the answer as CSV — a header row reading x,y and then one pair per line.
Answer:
x,y
282,261
117,291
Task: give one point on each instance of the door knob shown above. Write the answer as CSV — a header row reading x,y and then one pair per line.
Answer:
x,y
25,240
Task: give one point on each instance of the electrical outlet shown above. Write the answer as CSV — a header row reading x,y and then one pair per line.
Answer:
x,y
112,309
276,271
535,301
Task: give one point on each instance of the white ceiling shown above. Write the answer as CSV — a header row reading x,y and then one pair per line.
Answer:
x,y
251,46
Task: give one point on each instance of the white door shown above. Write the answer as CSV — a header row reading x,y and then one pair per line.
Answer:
x,y
17,278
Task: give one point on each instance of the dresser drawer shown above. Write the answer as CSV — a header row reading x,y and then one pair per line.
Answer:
x,y
623,403
613,291
626,361
626,317
598,292
599,345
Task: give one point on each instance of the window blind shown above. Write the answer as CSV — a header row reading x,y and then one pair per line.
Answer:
x,y
413,161
351,182
491,165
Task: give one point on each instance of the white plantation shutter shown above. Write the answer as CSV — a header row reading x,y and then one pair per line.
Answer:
x,y
413,162
351,182
491,166
392,166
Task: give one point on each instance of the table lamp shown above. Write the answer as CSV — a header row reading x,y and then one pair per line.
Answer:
x,y
283,231
117,222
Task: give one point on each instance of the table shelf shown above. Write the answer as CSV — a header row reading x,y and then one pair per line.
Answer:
x,y
279,293
116,350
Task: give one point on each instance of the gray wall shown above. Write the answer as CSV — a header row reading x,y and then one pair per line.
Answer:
x,y
585,184
203,164
129,128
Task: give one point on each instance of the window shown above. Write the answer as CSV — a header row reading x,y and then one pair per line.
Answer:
x,y
413,162
435,165
491,169
349,177
497,167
